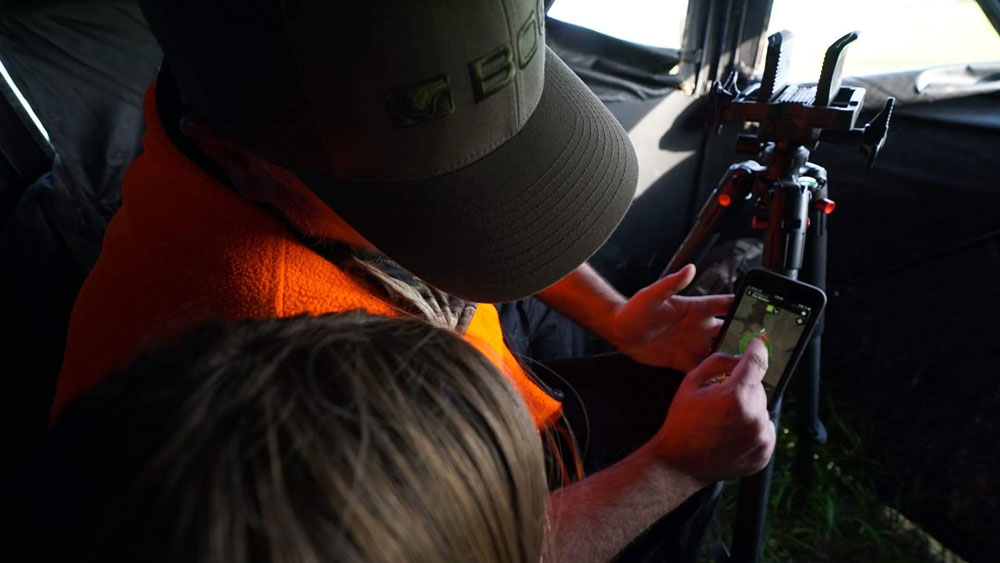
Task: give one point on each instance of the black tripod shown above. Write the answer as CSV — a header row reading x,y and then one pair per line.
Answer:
x,y
790,195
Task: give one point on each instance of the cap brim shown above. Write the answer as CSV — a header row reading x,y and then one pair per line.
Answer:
x,y
515,221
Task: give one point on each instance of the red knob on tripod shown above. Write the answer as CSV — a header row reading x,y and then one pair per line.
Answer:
x,y
825,205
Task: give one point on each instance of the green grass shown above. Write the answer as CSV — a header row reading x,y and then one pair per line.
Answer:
x,y
840,518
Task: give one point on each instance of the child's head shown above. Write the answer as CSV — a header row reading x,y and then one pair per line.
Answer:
x,y
338,438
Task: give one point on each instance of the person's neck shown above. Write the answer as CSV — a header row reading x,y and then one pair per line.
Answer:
x,y
280,190
249,175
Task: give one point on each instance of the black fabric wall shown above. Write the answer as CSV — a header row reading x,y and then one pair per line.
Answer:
x,y
913,325
84,67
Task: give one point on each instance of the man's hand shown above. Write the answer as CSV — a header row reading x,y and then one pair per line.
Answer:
x,y
717,426
659,328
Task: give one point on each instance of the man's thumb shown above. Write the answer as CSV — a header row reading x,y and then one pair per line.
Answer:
x,y
753,364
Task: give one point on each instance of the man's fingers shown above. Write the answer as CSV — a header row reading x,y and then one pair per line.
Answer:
x,y
753,364
665,287
713,366
711,327
717,305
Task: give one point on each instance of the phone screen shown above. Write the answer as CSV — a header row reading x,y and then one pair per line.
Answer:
x,y
777,322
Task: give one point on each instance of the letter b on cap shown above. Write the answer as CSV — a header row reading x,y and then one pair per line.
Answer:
x,y
492,72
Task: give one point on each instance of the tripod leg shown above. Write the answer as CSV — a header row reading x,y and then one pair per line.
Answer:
x,y
810,428
755,492
784,246
721,207
808,424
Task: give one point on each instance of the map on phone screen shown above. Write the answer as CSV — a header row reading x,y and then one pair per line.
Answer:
x,y
779,324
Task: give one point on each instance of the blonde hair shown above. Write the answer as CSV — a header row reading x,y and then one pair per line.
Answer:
x,y
340,438
423,301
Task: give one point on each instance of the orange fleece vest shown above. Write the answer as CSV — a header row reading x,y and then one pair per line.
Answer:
x,y
185,248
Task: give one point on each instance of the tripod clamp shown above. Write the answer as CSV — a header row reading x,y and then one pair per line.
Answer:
x,y
801,115
790,195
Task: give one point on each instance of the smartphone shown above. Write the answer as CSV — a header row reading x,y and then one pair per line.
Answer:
x,y
782,312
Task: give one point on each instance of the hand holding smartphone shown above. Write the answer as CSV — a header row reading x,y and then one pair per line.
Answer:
x,y
782,313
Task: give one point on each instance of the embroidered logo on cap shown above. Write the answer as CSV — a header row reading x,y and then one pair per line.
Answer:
x,y
489,74
422,102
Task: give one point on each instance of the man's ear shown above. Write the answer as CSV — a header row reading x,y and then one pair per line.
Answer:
x,y
260,180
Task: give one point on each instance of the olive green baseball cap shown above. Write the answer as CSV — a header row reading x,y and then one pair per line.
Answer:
x,y
444,131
